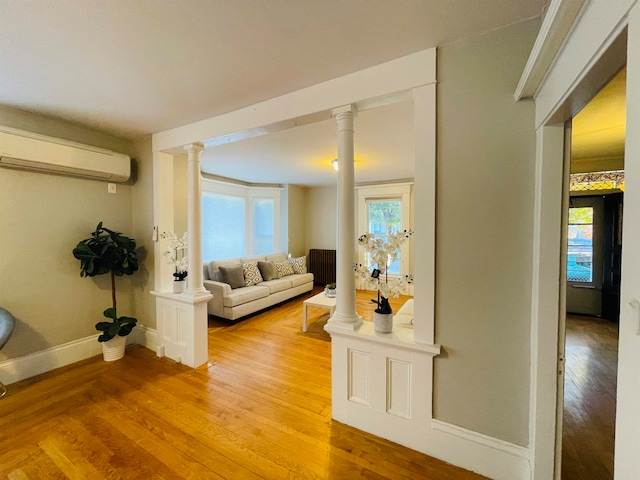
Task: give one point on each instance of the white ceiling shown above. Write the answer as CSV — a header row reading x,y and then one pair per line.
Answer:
x,y
384,150
135,67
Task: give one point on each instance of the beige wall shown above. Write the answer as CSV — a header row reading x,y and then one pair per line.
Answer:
x,y
320,218
10,117
297,215
485,165
43,217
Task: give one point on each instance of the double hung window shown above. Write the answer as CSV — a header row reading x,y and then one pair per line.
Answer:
x,y
384,210
384,217
239,221
580,249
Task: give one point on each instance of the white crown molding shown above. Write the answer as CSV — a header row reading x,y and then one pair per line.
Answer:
x,y
558,23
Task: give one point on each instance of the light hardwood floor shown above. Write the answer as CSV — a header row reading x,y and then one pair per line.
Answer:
x,y
261,408
590,398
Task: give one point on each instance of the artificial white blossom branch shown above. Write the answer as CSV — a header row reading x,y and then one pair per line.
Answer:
x,y
176,253
383,251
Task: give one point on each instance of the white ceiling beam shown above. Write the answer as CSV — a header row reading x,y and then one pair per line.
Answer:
x,y
385,81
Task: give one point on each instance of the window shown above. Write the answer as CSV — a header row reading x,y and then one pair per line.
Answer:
x,y
385,217
580,248
223,229
238,221
263,222
384,209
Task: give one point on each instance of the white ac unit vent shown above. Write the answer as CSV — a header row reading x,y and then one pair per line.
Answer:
x,y
30,151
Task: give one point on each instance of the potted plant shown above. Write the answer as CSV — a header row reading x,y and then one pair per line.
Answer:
x,y
330,290
383,251
110,252
176,254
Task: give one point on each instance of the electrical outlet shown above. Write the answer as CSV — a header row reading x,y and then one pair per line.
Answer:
x,y
111,187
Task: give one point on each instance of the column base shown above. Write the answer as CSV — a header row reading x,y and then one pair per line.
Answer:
x,y
345,322
198,296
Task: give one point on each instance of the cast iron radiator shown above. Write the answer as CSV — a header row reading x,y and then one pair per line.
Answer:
x,y
322,263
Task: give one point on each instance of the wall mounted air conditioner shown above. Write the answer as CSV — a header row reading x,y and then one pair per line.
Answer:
x,y
30,151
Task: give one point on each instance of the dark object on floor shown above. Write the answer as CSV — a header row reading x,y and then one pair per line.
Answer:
x,y
7,323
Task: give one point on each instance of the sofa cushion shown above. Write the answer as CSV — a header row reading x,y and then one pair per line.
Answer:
x,y
276,257
300,279
234,276
251,274
278,285
268,271
244,295
214,267
299,264
284,268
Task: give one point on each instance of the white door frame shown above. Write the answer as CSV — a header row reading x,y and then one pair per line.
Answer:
x,y
593,51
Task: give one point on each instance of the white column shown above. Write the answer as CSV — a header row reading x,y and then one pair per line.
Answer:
x,y
345,315
163,215
195,279
424,108
182,319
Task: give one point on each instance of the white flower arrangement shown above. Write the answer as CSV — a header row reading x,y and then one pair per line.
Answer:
x,y
176,253
384,250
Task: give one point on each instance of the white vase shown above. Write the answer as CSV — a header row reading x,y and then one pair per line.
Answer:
x,y
383,322
179,286
114,349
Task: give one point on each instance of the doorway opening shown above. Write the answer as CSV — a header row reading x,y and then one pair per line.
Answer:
x,y
593,273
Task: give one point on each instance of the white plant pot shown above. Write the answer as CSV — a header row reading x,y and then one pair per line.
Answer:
x,y
179,286
114,349
383,322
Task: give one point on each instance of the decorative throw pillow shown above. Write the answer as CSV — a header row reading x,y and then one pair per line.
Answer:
x,y
232,275
299,264
251,274
268,271
284,268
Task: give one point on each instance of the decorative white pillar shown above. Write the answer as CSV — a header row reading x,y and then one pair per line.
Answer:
x,y
182,319
345,315
195,279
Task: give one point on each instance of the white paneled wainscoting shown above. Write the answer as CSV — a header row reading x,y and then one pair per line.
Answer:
x,y
181,321
383,384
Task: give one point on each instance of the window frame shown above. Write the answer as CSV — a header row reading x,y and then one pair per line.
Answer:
x,y
250,194
396,191
591,281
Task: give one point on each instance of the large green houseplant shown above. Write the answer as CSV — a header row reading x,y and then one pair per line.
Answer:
x,y
110,252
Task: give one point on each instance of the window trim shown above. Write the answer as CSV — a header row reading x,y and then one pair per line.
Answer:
x,y
402,191
249,193
591,273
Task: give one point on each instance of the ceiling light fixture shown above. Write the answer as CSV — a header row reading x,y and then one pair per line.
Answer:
x,y
334,162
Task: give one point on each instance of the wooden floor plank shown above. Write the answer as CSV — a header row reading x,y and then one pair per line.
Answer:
x,y
589,398
260,408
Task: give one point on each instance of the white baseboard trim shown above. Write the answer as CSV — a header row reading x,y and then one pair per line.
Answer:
x,y
145,336
27,366
489,456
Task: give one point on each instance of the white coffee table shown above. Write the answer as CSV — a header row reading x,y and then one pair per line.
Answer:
x,y
319,300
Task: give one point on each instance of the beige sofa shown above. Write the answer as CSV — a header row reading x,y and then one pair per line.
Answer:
x,y
234,303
